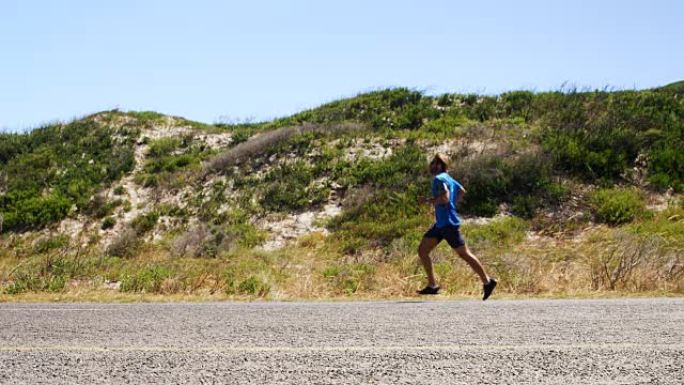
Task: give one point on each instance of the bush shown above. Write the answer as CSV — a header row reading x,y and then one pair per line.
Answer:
x,y
598,135
48,273
108,223
666,166
239,136
254,286
211,240
145,222
57,167
385,206
189,244
499,232
147,280
524,181
290,187
447,125
331,272
350,278
33,212
99,207
398,108
265,142
525,206
617,205
46,244
125,245
146,117
517,104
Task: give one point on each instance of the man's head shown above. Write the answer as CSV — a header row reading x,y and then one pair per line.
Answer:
x,y
439,164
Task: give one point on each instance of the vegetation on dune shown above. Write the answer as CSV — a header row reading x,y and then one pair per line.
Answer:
x,y
644,256
55,169
584,160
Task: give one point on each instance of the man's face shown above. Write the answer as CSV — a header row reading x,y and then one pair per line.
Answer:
x,y
435,167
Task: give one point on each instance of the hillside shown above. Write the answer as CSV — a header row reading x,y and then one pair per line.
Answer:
x,y
568,193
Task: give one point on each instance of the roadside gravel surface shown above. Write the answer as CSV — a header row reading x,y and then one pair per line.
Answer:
x,y
637,341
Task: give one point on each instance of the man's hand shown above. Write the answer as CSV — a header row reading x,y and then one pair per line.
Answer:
x,y
443,199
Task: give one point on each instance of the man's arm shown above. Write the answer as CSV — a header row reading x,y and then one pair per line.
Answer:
x,y
461,192
442,197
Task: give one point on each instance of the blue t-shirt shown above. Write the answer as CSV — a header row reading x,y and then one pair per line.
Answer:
x,y
446,214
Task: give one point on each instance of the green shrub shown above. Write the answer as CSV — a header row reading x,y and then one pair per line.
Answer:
x,y
108,223
254,285
148,279
45,274
481,108
385,207
406,166
555,193
99,207
331,272
23,213
56,284
145,222
22,283
124,245
170,163
44,245
57,167
598,135
447,126
290,187
525,206
504,231
398,108
240,136
16,287
146,118
349,278
517,104
666,166
162,147
617,205
481,207
489,181
246,234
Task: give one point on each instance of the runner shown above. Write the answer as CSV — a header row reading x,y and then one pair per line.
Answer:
x,y
447,193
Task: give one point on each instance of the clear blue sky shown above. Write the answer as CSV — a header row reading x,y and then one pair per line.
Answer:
x,y
229,60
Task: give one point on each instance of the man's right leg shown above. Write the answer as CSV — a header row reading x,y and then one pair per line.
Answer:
x,y
426,246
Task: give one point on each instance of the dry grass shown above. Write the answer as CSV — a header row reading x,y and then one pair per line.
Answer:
x,y
644,258
259,144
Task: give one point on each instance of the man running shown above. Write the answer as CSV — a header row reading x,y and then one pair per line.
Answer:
x,y
447,193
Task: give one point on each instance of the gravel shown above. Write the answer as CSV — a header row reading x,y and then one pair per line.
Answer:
x,y
635,341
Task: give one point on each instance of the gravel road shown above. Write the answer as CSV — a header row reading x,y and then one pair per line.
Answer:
x,y
638,341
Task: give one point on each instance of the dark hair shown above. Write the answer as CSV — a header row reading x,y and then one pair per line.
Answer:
x,y
441,159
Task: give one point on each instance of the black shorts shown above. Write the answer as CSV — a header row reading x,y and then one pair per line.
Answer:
x,y
452,234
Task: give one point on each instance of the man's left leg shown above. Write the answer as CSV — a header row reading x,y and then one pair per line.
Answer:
x,y
488,284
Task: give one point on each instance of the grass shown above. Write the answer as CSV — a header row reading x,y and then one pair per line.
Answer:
x,y
105,296
633,260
